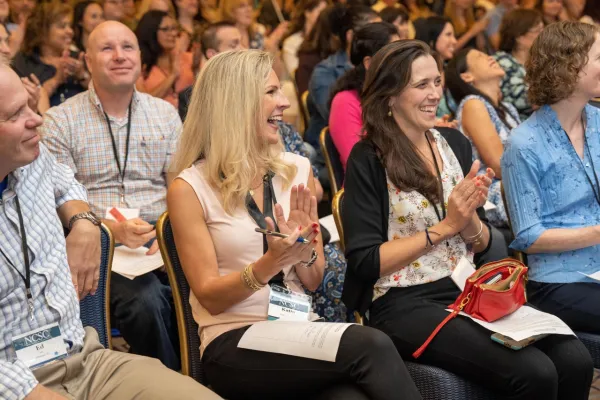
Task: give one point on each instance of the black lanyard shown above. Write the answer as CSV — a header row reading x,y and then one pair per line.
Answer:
x,y
587,147
439,176
27,277
114,144
259,217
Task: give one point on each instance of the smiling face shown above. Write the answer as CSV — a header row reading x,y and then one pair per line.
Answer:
x,y
60,34
414,108
481,68
589,77
19,138
92,17
552,8
273,105
167,34
446,42
113,57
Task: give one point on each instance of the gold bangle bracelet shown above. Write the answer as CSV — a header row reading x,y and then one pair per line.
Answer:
x,y
250,280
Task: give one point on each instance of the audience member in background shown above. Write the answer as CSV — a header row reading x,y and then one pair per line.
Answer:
x,y
495,19
519,29
46,188
119,143
591,13
302,24
216,38
344,21
381,4
129,12
438,33
319,44
20,11
166,71
155,5
38,98
45,53
398,16
114,10
470,33
345,117
86,16
473,79
550,168
4,12
396,180
218,247
573,9
550,10
269,18
186,11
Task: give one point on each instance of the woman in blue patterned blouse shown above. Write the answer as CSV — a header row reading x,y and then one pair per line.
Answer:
x,y
550,168
519,29
474,79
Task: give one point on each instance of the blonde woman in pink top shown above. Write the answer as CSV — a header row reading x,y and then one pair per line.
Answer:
x,y
234,177
166,71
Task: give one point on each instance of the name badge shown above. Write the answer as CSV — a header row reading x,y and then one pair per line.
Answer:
x,y
286,305
41,346
120,214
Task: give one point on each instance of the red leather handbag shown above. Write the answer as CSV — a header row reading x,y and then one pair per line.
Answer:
x,y
492,292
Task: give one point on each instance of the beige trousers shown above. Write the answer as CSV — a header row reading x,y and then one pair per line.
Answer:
x,y
98,374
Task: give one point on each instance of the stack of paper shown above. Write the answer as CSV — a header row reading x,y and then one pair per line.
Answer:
x,y
134,262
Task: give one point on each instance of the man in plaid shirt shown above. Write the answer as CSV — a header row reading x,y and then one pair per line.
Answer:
x,y
119,143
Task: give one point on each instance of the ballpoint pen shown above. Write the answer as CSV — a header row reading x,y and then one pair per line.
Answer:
x,y
281,235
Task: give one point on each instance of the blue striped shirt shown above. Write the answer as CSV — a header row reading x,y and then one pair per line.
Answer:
x,y
42,187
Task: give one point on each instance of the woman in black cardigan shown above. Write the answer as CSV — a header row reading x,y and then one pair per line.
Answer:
x,y
403,242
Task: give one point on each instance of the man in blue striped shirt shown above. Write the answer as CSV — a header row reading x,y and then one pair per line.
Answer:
x,y
41,196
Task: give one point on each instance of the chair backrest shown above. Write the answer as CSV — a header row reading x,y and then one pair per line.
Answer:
x,y
332,161
304,105
518,254
336,209
95,310
189,341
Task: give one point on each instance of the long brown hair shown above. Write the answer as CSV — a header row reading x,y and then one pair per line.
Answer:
x,y
38,25
388,75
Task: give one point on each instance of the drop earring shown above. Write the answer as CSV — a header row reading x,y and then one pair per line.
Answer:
x,y
390,113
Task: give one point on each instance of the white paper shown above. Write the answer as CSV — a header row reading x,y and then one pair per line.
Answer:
x,y
128,213
489,206
316,340
134,262
524,323
595,276
329,223
464,269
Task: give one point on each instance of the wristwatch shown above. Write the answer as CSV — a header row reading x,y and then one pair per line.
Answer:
x,y
90,216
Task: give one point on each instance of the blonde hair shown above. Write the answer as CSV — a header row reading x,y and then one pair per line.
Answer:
x,y
227,8
222,126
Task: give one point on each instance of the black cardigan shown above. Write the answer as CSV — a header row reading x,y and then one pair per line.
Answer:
x,y
365,215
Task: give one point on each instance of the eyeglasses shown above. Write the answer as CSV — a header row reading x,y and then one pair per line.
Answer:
x,y
167,29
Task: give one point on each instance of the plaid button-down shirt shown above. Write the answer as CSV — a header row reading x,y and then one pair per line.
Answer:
x,y
42,187
77,133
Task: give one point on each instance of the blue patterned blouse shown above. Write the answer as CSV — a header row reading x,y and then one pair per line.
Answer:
x,y
497,216
514,89
546,188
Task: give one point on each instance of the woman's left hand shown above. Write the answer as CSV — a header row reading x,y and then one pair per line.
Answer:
x,y
303,207
483,183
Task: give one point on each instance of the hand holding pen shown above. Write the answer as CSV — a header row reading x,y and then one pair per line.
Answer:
x,y
280,235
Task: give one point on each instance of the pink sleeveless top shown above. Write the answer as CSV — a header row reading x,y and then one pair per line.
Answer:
x,y
236,246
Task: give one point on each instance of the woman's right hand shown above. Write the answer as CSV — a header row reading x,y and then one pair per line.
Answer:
x,y
463,201
284,252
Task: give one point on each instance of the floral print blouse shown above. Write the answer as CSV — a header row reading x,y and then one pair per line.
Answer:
x,y
411,213
514,89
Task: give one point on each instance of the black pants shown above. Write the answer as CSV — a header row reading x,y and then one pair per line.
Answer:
x,y
556,367
367,367
142,309
574,303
